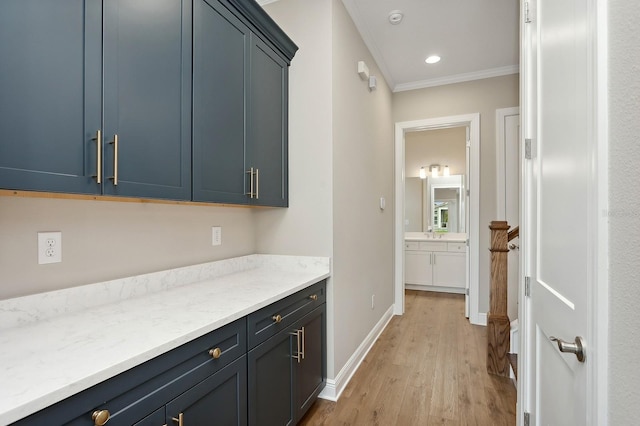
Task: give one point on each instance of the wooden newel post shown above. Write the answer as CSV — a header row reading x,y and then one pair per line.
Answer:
x,y
498,324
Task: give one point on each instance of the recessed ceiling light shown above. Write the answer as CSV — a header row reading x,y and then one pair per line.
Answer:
x,y
432,59
395,17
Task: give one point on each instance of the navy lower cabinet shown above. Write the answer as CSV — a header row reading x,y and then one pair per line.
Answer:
x,y
270,380
309,367
287,357
207,373
264,369
218,400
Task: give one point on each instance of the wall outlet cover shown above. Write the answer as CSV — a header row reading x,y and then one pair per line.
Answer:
x,y
49,247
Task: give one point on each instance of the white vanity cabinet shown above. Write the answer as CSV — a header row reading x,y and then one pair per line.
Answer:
x,y
435,265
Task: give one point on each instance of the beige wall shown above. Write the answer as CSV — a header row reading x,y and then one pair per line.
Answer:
x,y
363,172
483,96
305,228
624,216
440,146
341,152
106,240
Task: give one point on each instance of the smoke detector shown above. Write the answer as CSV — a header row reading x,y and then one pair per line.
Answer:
x,y
395,17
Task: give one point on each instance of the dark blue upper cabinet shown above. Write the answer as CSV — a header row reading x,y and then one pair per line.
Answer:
x,y
267,142
50,94
220,75
147,98
175,99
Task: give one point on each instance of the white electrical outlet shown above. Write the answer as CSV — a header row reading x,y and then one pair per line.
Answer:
x,y
49,247
216,235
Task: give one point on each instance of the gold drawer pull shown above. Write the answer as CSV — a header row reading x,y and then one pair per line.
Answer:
x,y
313,297
98,140
100,417
114,178
277,318
215,353
178,420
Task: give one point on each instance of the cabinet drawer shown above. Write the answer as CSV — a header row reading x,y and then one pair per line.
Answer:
x,y
138,392
433,246
457,247
412,245
262,324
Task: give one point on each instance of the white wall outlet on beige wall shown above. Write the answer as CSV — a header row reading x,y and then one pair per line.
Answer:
x,y
216,235
49,247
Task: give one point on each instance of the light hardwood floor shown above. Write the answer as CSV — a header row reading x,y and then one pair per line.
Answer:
x,y
427,368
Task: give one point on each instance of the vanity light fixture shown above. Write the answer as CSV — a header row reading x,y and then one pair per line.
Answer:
x,y
433,59
434,170
445,172
423,173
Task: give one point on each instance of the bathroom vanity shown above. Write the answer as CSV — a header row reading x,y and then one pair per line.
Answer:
x,y
435,262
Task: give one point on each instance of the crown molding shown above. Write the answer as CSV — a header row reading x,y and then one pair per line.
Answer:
x,y
458,78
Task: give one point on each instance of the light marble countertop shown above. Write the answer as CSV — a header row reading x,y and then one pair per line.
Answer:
x,y
57,344
450,237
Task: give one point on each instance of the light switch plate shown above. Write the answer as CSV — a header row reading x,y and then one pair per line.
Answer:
x,y
216,235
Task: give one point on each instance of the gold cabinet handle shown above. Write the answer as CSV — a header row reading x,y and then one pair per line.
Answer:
x,y
100,417
313,297
98,140
179,419
303,342
298,354
215,353
250,172
114,142
257,183
277,318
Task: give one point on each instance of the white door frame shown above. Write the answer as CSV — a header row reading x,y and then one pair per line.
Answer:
x,y
501,114
472,121
598,286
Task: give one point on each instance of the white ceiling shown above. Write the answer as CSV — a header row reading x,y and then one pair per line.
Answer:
x,y
475,39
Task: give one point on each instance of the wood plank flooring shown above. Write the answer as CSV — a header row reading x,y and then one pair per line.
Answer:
x,y
427,368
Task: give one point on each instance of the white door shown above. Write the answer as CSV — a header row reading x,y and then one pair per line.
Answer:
x,y
559,206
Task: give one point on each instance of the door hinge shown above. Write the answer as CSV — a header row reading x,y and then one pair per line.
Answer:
x,y
466,291
527,15
529,149
467,241
468,193
526,419
527,286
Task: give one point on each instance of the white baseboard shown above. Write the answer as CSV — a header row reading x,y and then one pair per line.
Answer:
x,y
482,319
334,387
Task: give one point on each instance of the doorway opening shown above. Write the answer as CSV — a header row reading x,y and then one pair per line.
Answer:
x,y
472,123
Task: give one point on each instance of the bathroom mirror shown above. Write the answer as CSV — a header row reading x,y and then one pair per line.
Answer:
x,y
447,203
444,214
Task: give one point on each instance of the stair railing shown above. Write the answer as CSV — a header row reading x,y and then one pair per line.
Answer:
x,y
498,324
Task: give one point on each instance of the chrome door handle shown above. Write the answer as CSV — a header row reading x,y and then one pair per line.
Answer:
x,y
576,348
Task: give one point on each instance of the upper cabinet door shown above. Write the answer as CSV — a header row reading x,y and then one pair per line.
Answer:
x,y
50,71
267,142
220,75
147,98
